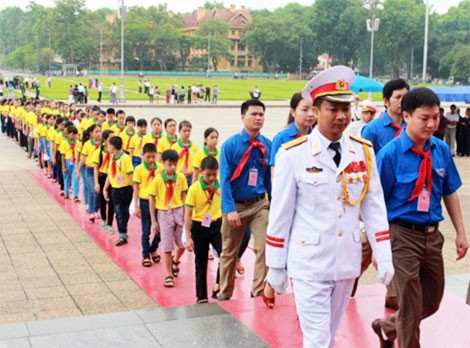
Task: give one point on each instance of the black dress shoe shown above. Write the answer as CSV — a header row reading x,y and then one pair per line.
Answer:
x,y
391,303
378,330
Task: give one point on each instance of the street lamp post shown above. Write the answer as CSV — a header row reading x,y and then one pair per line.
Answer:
x,y
374,7
122,96
208,54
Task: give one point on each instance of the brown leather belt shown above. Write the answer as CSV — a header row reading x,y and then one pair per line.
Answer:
x,y
428,229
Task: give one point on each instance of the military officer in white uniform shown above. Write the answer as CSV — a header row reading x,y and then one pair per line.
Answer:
x,y
324,182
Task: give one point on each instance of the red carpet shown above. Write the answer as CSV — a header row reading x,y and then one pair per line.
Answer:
x,y
279,327
129,257
449,327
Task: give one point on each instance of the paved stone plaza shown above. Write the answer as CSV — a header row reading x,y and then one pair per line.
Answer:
x,y
51,269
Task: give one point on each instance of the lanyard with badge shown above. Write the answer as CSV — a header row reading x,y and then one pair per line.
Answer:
x,y
207,218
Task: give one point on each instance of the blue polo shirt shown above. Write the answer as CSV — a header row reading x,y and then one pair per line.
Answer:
x,y
231,154
398,167
380,131
284,136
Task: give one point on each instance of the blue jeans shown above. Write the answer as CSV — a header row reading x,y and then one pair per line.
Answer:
x,y
89,182
147,246
122,198
70,178
86,194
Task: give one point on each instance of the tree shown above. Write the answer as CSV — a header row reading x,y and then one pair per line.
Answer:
x,y
461,66
213,5
340,28
214,32
276,39
401,27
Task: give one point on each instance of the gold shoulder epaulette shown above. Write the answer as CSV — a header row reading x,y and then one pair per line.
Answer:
x,y
294,143
360,140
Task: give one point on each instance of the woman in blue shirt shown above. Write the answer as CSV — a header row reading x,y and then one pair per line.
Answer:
x,y
300,122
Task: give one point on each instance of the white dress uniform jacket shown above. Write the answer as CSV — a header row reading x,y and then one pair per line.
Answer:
x,y
311,230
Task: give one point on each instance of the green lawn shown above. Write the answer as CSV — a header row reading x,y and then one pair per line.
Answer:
x,y
228,89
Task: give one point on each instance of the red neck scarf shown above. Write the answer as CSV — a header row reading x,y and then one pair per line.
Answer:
x,y
106,160
425,173
170,186
398,128
185,153
253,144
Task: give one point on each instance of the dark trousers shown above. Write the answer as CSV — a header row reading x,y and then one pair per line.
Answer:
x,y
4,124
58,166
419,281
202,238
147,246
122,198
99,96
106,208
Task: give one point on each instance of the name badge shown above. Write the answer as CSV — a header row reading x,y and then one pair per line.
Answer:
x,y
423,201
253,177
119,179
206,220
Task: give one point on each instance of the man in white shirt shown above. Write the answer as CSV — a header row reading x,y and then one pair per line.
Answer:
x,y
453,119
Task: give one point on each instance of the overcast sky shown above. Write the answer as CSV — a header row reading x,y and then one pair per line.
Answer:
x,y
440,6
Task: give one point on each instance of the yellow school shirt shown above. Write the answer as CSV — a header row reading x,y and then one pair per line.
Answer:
x,y
126,137
165,144
117,129
106,125
66,148
158,189
124,168
59,137
152,139
103,167
137,143
87,150
203,153
185,163
143,179
199,198
51,133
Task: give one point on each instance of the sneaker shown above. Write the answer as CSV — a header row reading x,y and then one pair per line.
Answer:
x,y
104,226
92,217
110,230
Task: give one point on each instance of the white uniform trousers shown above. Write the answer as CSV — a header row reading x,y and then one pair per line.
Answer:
x,y
320,306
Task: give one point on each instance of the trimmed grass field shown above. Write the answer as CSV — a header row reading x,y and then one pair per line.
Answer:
x,y
228,89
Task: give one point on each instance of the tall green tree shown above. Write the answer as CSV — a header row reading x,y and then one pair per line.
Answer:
x,y
214,33
401,28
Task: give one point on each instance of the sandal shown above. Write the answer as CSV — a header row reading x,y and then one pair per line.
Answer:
x,y
268,301
174,266
202,301
120,242
240,268
169,283
156,258
76,200
146,262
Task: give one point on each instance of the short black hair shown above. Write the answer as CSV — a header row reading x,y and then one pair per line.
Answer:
x,y
209,163
116,142
185,123
141,122
168,120
106,134
170,155
417,98
68,124
102,112
111,111
394,85
72,130
130,119
59,120
453,106
251,102
149,147
119,112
